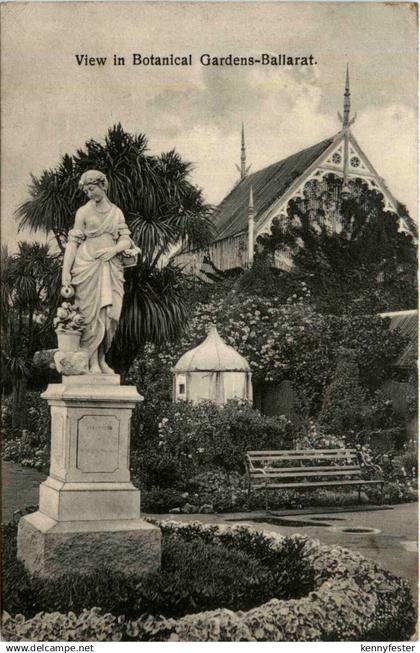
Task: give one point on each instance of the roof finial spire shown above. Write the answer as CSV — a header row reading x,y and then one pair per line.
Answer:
x,y
244,169
243,154
345,118
347,99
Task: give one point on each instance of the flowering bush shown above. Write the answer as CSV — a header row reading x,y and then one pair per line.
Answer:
x,y
224,491
315,436
89,625
68,318
344,399
211,491
400,471
31,446
173,442
334,595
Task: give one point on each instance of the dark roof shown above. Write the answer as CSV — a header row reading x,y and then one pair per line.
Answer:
x,y
407,324
268,184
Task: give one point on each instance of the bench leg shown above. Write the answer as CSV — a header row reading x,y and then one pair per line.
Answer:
x,y
359,489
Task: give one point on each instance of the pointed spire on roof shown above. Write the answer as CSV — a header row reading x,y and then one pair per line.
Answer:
x,y
244,169
347,99
243,154
345,118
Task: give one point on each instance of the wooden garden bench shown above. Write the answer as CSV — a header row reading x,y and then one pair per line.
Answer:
x,y
278,470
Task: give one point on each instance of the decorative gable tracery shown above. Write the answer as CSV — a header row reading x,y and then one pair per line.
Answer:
x,y
331,163
356,163
334,160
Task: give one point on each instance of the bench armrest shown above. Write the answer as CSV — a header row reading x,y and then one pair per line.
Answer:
x,y
259,471
367,464
377,468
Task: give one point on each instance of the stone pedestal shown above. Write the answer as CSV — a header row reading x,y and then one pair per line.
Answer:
x,y
89,511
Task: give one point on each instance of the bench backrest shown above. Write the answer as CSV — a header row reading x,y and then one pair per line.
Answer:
x,y
303,463
301,454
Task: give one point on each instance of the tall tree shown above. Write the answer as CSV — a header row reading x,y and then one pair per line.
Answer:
x,y
162,208
356,260
30,282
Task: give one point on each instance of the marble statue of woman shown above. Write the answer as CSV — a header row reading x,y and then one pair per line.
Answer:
x,y
93,267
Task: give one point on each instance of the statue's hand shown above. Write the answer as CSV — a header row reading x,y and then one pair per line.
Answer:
x,y
66,279
106,253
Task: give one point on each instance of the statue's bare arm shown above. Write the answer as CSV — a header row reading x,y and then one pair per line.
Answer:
x,y
108,253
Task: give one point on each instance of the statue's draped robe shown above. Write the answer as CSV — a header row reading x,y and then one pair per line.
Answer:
x,y
99,285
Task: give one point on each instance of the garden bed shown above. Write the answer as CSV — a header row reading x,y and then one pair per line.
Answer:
x,y
217,583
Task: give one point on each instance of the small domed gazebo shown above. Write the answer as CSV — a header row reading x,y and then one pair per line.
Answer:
x,y
213,371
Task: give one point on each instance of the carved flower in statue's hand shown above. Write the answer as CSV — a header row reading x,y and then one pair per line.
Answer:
x,y
78,320
61,313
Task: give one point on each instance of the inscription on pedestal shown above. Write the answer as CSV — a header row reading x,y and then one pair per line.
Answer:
x,y
97,443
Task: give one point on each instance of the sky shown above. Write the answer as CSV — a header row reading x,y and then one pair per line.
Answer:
x,y
51,105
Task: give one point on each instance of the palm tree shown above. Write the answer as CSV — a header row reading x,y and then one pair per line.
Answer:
x,y
162,208
30,281
53,200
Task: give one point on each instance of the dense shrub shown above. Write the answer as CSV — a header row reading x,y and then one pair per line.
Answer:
x,y
397,492
29,446
225,491
89,626
205,576
162,499
407,461
228,500
211,491
344,400
342,595
182,440
400,471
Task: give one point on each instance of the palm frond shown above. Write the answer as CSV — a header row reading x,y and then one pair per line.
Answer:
x,y
154,311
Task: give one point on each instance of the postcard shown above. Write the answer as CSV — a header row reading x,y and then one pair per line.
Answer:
x,y
209,323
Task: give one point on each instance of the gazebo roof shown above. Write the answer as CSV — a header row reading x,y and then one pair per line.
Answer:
x,y
212,355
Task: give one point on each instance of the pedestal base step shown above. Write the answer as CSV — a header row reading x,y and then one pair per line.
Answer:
x,y
50,548
72,502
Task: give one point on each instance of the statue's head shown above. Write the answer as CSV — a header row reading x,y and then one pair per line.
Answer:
x,y
93,178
